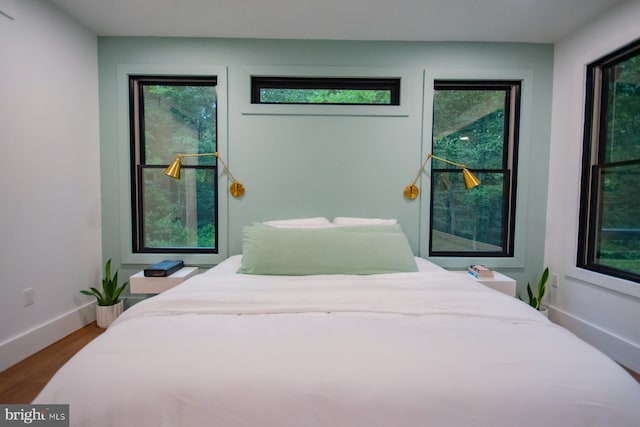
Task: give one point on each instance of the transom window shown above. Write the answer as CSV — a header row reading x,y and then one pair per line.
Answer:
x,y
316,90
171,115
609,238
474,123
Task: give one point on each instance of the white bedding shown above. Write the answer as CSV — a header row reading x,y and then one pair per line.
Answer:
x,y
405,349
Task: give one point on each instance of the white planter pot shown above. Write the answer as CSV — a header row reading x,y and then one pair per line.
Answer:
x,y
106,314
544,311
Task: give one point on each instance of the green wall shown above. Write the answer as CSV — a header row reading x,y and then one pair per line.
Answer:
x,y
327,161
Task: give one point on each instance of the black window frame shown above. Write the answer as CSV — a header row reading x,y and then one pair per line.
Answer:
x,y
509,168
138,162
338,83
594,159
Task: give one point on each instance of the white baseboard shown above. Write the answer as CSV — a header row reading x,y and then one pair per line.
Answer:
x,y
24,345
623,351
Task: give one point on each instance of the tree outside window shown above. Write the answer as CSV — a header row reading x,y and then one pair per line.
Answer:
x,y
170,116
474,123
609,240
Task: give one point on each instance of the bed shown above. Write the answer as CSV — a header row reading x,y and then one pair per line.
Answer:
x,y
256,343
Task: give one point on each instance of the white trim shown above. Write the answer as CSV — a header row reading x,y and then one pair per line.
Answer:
x,y
526,76
24,345
123,71
616,347
622,286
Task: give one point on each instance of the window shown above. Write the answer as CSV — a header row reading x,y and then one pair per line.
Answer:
x,y
171,115
609,237
342,91
474,123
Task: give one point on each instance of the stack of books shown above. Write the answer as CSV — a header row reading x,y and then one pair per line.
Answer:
x,y
163,269
480,271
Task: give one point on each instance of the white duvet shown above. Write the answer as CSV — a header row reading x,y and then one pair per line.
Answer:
x,y
408,349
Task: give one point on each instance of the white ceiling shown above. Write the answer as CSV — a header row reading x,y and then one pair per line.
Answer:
x,y
540,21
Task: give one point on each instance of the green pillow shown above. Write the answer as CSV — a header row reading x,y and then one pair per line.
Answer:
x,y
373,228
342,250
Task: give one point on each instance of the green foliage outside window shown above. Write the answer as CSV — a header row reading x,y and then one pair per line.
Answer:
x,y
469,127
325,90
325,96
177,117
618,239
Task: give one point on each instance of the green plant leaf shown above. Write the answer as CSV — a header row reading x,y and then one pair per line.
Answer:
x,y
542,284
119,291
91,293
114,283
110,290
530,294
107,270
536,300
99,296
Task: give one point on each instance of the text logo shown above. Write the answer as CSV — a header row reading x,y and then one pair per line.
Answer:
x,y
34,415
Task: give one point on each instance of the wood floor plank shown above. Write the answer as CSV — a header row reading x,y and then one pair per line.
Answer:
x,y
22,382
633,374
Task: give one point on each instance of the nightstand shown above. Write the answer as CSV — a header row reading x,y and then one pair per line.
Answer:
x,y
499,282
139,284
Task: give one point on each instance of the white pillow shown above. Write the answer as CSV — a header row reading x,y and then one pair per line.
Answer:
x,y
318,222
344,220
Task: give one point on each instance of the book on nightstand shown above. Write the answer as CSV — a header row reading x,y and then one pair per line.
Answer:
x,y
164,268
480,271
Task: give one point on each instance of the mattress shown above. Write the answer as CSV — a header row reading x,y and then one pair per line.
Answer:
x,y
398,349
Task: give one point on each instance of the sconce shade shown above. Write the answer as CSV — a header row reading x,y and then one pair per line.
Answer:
x,y
411,191
470,180
173,170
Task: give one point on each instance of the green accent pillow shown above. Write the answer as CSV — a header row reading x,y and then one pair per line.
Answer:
x,y
371,228
342,250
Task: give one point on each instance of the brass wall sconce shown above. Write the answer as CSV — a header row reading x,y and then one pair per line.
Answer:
x,y
236,189
411,191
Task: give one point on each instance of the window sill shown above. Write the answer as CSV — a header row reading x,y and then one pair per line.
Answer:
x,y
614,284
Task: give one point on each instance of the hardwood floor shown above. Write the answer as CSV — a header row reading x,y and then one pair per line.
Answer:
x,y
634,374
22,382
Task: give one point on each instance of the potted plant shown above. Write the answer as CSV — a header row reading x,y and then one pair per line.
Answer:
x,y
109,304
535,300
